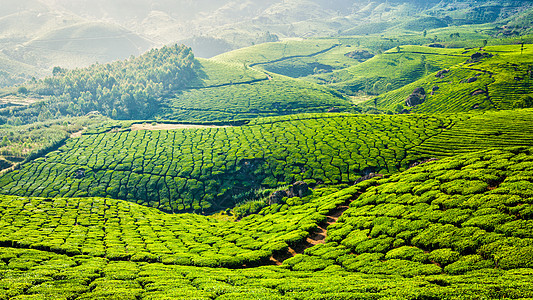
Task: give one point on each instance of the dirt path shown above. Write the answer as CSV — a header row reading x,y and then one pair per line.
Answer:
x,y
295,56
78,133
161,126
317,236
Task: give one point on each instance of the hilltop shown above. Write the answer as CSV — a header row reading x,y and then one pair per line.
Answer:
x,y
347,150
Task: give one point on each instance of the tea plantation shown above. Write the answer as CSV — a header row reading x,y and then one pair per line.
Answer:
x,y
450,216
499,80
457,228
204,169
201,169
119,230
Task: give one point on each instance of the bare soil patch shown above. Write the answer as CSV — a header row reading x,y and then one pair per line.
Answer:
x,y
161,126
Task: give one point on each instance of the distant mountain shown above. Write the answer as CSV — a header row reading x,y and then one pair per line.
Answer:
x,y
76,33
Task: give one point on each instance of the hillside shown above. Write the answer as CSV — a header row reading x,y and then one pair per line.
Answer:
x,y
498,79
458,226
451,216
327,149
169,83
206,169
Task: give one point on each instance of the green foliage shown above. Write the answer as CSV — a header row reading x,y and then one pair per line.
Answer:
x,y
199,169
131,87
493,83
121,231
429,219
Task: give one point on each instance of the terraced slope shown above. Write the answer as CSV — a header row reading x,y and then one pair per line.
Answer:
x,y
391,70
502,81
119,230
265,95
35,274
458,228
206,169
201,169
170,83
452,216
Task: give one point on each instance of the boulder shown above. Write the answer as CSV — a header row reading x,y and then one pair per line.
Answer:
x,y
478,92
359,55
418,163
299,189
277,197
368,177
419,90
472,79
417,97
442,73
476,56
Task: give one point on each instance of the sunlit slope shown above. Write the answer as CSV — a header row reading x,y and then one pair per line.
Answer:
x,y
120,230
203,169
451,216
169,83
32,274
268,95
392,69
458,228
296,58
502,81
225,91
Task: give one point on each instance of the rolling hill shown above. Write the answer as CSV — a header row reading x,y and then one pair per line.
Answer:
x,y
497,79
359,150
206,169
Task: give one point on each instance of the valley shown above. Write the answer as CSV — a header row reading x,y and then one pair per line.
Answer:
x,y
298,150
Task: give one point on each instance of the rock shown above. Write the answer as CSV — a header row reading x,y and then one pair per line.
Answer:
x,y
299,189
368,177
476,56
478,92
359,54
419,90
414,100
418,163
441,73
472,79
333,110
435,88
79,174
277,197
417,97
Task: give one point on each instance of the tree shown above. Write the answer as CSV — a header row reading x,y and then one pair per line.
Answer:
x,y
22,90
485,43
57,71
425,33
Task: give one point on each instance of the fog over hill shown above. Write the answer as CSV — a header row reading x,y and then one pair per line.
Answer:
x,y
77,33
